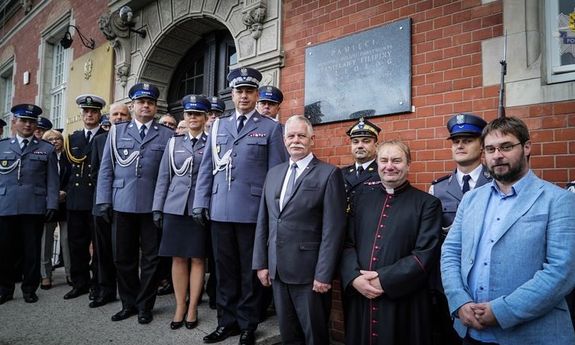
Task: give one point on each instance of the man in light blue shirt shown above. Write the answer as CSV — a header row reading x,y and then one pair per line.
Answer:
x,y
508,261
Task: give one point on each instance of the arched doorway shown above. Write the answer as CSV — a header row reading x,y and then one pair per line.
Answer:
x,y
203,70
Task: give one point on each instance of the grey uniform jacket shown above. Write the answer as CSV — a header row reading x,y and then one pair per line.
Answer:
x,y
175,194
130,187
304,240
29,181
257,148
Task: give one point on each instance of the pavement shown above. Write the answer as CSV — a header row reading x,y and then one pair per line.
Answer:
x,y
55,321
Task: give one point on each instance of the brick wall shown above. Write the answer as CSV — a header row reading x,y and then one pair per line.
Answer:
x,y
446,78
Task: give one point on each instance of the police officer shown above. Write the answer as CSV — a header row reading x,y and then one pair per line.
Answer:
x,y
464,130
119,112
80,197
126,183
43,125
29,186
464,133
270,100
363,135
218,106
105,122
242,147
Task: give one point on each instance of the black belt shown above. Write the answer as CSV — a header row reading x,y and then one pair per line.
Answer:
x,y
470,341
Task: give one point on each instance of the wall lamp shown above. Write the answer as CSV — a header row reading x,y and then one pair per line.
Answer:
x,y
67,40
126,16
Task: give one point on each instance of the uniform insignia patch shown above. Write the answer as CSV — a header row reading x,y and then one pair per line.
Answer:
x,y
4,163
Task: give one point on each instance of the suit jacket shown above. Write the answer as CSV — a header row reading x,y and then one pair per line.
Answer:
x,y
64,174
130,188
98,144
257,148
175,194
80,186
33,187
304,240
447,189
533,263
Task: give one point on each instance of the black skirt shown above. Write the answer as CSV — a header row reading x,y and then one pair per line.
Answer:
x,y
182,237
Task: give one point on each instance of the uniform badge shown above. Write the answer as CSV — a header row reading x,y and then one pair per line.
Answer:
x,y
146,86
126,152
244,72
460,119
88,100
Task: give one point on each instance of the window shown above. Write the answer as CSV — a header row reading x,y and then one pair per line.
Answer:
x,y
6,87
58,85
560,40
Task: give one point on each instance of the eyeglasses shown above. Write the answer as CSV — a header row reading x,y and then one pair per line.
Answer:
x,y
502,148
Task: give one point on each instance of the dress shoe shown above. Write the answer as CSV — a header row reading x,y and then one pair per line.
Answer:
x,y
76,292
5,297
221,333
30,297
145,317
46,284
165,289
176,324
101,300
191,324
247,337
124,314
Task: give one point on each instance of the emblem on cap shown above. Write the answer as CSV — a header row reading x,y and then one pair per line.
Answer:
x,y
244,72
146,86
192,98
269,89
89,100
30,107
460,119
361,123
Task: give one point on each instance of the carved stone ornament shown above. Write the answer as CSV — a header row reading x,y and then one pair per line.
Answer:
x,y
254,19
26,5
117,32
88,66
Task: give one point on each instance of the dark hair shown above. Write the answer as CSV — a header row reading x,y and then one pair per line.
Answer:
x,y
507,125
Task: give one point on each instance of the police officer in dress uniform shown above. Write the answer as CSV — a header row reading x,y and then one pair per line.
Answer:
x,y
80,198
107,284
218,108
242,147
363,135
270,100
43,125
29,186
464,130
126,183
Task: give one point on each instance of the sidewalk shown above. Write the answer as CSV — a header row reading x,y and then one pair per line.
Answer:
x,y
55,321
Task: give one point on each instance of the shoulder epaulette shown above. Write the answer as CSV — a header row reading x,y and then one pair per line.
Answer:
x,y
570,185
442,178
178,135
372,183
5,139
348,167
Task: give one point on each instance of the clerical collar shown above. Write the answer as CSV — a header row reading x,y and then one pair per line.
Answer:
x,y
396,190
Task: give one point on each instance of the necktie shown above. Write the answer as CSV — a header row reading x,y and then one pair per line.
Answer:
x,y
143,132
194,141
24,144
466,187
359,170
242,118
88,136
290,184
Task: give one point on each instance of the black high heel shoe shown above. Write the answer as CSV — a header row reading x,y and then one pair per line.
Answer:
x,y
177,324
191,324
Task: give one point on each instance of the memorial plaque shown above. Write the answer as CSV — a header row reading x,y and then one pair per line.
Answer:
x,y
366,74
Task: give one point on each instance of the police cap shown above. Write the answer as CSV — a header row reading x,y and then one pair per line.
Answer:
x,y
363,128
245,76
465,125
44,123
217,104
26,111
105,121
90,101
271,94
144,90
196,103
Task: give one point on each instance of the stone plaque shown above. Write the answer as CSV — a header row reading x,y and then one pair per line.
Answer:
x,y
365,74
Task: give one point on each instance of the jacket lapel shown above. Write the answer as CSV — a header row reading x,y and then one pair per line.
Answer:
x,y
301,177
152,132
230,126
188,143
279,184
250,125
201,142
15,146
133,131
453,187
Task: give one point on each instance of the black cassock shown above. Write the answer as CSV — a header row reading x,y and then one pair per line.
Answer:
x,y
397,235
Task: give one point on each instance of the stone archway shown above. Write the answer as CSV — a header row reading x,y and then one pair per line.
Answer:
x,y
173,26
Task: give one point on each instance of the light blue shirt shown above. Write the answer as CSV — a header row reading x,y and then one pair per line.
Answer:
x,y
499,205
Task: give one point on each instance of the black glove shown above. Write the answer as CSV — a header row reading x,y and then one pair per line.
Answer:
x,y
50,215
158,219
201,215
105,211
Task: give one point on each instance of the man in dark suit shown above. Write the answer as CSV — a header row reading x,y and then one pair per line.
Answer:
x,y
29,186
126,183
242,148
363,135
119,112
299,237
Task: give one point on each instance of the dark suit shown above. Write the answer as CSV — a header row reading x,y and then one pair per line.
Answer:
x,y
300,244
79,202
28,187
102,229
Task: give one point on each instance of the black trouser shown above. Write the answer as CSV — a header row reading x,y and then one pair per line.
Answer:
x,y
105,263
239,290
212,281
132,233
80,234
20,237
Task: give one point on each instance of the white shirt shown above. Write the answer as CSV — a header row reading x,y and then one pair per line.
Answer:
x,y
301,166
93,130
247,115
475,173
364,165
148,125
20,139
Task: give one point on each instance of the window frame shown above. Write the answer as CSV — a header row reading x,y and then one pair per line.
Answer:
x,y
554,72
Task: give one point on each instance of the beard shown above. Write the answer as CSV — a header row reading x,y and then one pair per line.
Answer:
x,y
513,174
